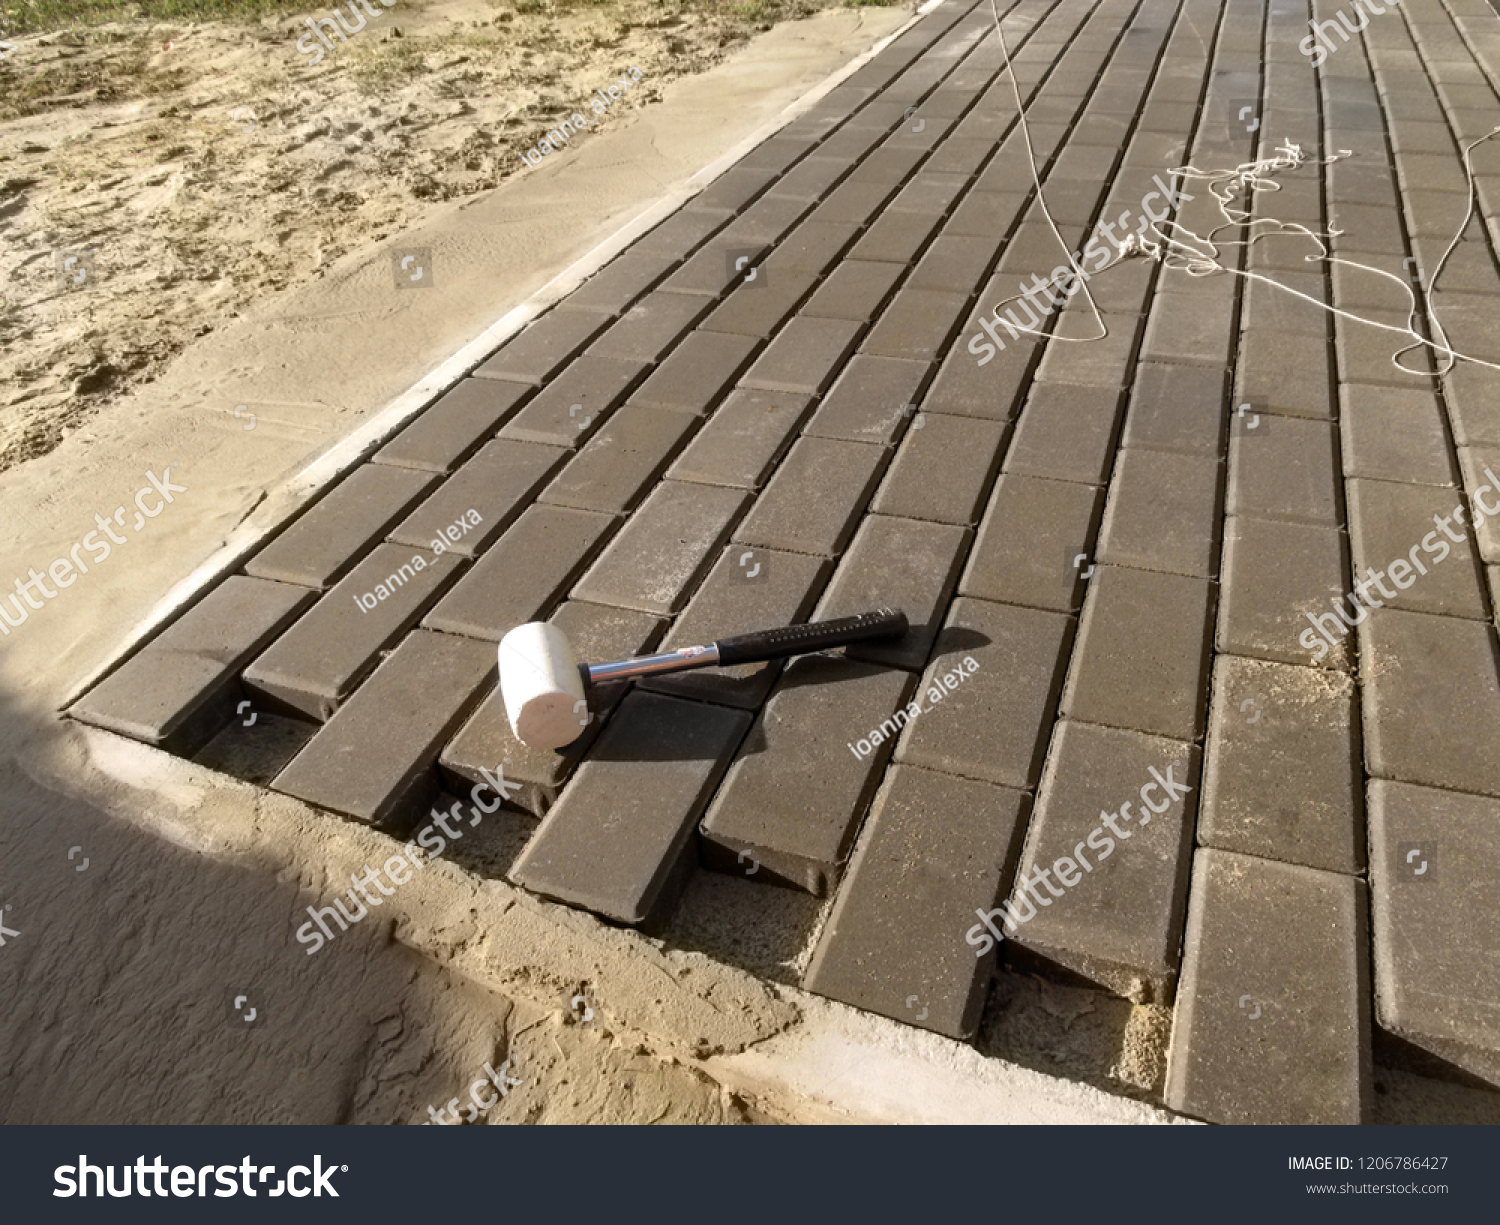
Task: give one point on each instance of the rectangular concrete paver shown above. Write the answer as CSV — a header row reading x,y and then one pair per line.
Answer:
x,y
934,849
454,425
316,664
619,841
1272,1020
327,541
943,469
655,561
805,357
181,689
744,439
376,758
1116,838
622,461
816,496
795,794
576,402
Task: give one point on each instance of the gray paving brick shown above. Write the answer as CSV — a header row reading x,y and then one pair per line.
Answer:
x,y
1190,329
1163,513
816,496
658,557
1284,468
934,849
597,634
853,202
1393,434
180,689
650,327
1391,524
543,348
747,590
1099,363
959,155
1118,920
734,189
1272,1023
449,429
483,498
314,667
576,402
794,795
758,308
973,383
1066,433
685,229
1473,396
1282,772
897,563
1431,701
714,270
698,371
1365,351
805,357
625,279
375,759
916,324
1288,372
896,237
985,214
1270,308
743,440
1031,532
1277,577
775,154
1480,466
994,724
930,192
810,179
1436,938
953,263
943,469
1142,657
855,291
869,401
812,247
620,841
524,574
1177,408
325,542
612,472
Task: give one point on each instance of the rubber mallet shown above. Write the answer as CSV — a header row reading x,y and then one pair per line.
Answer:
x,y
544,686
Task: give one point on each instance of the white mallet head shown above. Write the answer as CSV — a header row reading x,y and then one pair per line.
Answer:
x,y
541,686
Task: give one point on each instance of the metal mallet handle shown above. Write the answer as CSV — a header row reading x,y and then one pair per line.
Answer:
x,y
758,647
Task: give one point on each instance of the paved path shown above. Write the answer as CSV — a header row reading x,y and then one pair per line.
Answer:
x,y
1113,707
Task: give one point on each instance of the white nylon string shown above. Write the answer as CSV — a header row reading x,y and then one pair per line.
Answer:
x,y
1198,255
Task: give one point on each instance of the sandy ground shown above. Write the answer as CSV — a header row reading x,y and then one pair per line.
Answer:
x,y
207,167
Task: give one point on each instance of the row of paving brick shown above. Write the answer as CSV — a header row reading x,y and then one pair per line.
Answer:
x,y
830,416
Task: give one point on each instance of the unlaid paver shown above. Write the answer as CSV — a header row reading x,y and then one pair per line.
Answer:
x,y
524,573
317,663
1282,773
469,510
992,722
812,503
181,688
1142,656
668,544
897,563
454,425
1272,1023
620,840
597,634
795,794
1435,894
376,758
747,590
1431,700
934,849
1114,823
324,543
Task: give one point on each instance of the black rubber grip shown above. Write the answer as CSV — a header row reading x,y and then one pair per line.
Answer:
x,y
802,639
